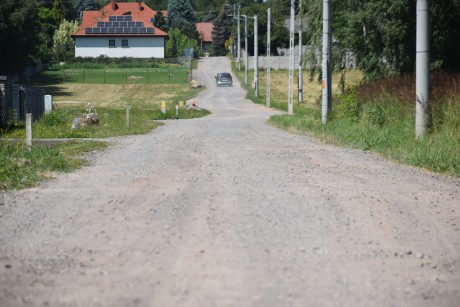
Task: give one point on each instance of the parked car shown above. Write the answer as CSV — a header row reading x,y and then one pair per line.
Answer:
x,y
224,78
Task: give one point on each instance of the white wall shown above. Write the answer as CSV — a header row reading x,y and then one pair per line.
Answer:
x,y
139,47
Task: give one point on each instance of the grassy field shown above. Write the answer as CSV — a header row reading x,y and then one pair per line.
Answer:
x,y
376,116
172,75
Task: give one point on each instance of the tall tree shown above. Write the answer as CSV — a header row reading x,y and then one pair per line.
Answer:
x,y
180,9
19,39
181,16
221,31
63,44
57,11
160,21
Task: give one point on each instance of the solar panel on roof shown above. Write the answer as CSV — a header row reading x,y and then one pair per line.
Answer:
x,y
96,30
100,24
134,30
127,30
124,24
108,24
104,30
131,24
89,30
139,24
116,24
111,30
119,30
150,30
142,30
112,18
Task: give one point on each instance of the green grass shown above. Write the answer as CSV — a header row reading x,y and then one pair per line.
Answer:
x,y
384,124
112,122
161,75
22,168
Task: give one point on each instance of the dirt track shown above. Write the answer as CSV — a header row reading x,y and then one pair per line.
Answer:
x,y
228,211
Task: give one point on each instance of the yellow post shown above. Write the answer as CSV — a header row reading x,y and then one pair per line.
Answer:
x,y
163,107
181,104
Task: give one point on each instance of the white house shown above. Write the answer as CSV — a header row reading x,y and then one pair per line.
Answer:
x,y
120,30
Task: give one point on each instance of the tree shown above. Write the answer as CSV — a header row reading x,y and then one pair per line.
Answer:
x,y
57,11
180,9
177,42
63,44
47,27
18,34
90,5
221,31
160,21
381,34
181,16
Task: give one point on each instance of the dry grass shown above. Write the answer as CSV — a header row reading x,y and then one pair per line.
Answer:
x,y
117,95
311,89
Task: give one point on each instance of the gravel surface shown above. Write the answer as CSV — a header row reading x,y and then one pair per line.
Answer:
x,y
228,211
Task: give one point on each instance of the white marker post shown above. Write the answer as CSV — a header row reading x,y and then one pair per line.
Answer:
x,y
29,130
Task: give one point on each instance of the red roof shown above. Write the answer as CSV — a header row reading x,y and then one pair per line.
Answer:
x,y
205,31
138,11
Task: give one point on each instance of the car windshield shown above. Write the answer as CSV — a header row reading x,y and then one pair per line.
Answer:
x,y
224,75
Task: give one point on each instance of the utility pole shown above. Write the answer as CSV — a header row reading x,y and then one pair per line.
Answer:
x,y
239,40
268,57
422,83
246,48
326,62
256,59
291,62
300,86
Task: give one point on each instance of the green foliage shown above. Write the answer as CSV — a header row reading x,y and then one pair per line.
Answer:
x,y
63,44
57,11
221,31
19,39
48,26
381,35
177,42
160,21
180,9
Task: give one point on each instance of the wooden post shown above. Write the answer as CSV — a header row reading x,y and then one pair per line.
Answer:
x,y
127,116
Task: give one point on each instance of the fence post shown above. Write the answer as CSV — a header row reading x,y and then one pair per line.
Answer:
x,y
127,117
29,130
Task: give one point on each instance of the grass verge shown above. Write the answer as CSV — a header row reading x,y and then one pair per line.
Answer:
x,y
22,168
375,116
112,122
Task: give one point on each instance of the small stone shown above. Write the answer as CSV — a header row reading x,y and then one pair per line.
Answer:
x,y
8,266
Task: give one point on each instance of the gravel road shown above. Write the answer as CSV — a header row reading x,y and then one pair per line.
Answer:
x,y
228,211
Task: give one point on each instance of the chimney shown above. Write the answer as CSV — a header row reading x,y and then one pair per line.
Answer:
x,y
140,5
114,5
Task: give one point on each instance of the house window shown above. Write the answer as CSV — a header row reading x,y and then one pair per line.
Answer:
x,y
124,43
111,43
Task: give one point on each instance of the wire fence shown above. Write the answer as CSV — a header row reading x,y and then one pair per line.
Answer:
x,y
118,76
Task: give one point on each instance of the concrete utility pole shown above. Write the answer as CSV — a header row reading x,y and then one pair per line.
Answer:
x,y
256,59
268,56
239,40
291,62
300,86
326,63
422,68
246,48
